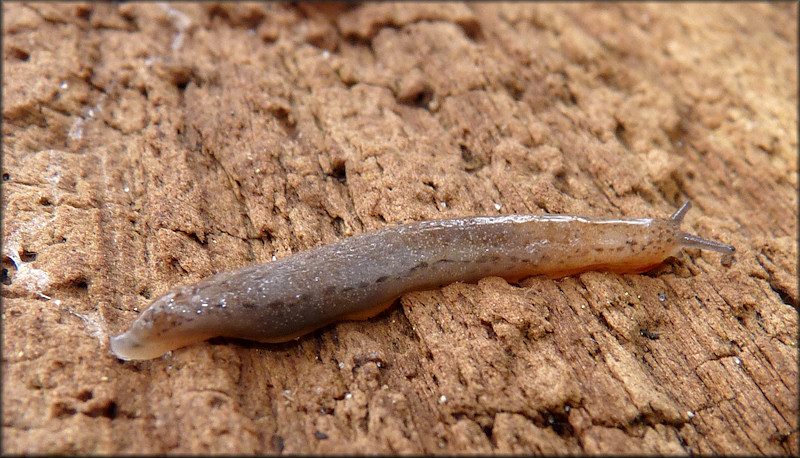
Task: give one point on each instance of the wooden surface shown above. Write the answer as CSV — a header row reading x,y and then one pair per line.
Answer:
x,y
149,145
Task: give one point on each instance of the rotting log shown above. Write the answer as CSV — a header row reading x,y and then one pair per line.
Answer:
x,y
146,146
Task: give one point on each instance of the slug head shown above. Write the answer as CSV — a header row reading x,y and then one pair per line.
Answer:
x,y
635,246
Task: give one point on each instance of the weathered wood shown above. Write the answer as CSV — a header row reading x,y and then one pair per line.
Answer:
x,y
148,145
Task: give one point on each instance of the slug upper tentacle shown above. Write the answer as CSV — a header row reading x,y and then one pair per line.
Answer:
x,y
693,241
359,276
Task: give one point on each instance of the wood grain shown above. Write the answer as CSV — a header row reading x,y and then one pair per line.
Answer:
x,y
146,146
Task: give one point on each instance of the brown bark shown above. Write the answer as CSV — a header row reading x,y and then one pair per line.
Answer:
x,y
146,146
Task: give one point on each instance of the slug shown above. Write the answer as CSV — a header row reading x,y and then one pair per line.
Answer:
x,y
358,277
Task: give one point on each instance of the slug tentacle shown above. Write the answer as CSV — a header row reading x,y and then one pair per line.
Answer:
x,y
694,241
677,217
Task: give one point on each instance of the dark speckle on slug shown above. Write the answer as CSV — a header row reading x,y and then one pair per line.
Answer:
x,y
357,277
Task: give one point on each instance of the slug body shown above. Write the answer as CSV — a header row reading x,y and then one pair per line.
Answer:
x,y
357,277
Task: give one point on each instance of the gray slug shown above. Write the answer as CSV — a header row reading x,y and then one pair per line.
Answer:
x,y
358,277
